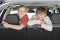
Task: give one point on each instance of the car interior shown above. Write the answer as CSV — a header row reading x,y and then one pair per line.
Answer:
x,y
31,32
12,17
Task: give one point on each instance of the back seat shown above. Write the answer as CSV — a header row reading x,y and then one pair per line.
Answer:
x,y
12,19
56,18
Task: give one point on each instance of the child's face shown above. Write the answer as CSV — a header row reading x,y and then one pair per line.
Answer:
x,y
22,11
41,15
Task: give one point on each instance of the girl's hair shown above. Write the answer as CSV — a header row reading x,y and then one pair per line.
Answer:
x,y
40,9
22,6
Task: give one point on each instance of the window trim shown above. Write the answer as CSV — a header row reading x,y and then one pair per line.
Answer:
x,y
2,14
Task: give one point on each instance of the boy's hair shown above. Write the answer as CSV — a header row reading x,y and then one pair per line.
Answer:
x,y
40,9
22,6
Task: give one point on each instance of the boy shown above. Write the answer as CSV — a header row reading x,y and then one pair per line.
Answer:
x,y
22,10
41,18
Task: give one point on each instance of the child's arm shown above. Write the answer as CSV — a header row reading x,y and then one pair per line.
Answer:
x,y
47,25
33,22
17,27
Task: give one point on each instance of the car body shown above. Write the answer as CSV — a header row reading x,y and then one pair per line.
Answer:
x,y
30,33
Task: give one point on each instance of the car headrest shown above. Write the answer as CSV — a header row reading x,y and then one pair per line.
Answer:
x,y
12,19
56,18
49,14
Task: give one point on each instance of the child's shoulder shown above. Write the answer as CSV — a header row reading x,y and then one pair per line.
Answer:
x,y
47,17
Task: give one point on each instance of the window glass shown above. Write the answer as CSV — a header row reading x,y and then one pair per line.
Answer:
x,y
30,13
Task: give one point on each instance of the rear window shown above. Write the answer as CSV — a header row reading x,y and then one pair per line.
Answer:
x,y
30,13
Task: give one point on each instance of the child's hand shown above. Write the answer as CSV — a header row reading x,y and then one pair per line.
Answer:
x,y
42,22
42,18
4,22
6,25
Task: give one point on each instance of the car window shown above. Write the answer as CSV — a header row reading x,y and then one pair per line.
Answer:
x,y
30,13
12,17
32,10
55,15
56,11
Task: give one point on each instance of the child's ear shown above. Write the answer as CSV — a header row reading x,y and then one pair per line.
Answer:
x,y
45,11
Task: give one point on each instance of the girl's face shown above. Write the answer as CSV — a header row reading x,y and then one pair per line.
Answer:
x,y
41,15
22,11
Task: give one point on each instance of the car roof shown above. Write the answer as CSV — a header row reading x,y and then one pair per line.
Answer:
x,y
50,4
27,0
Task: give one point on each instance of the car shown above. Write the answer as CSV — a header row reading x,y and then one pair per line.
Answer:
x,y
8,12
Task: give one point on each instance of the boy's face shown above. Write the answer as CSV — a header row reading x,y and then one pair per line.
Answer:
x,y
22,11
41,15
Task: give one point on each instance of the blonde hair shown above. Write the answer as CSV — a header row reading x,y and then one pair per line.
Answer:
x,y
22,6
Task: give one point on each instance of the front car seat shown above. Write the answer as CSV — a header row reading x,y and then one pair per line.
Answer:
x,y
12,19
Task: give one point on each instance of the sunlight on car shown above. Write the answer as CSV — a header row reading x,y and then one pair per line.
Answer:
x,y
30,13
13,12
